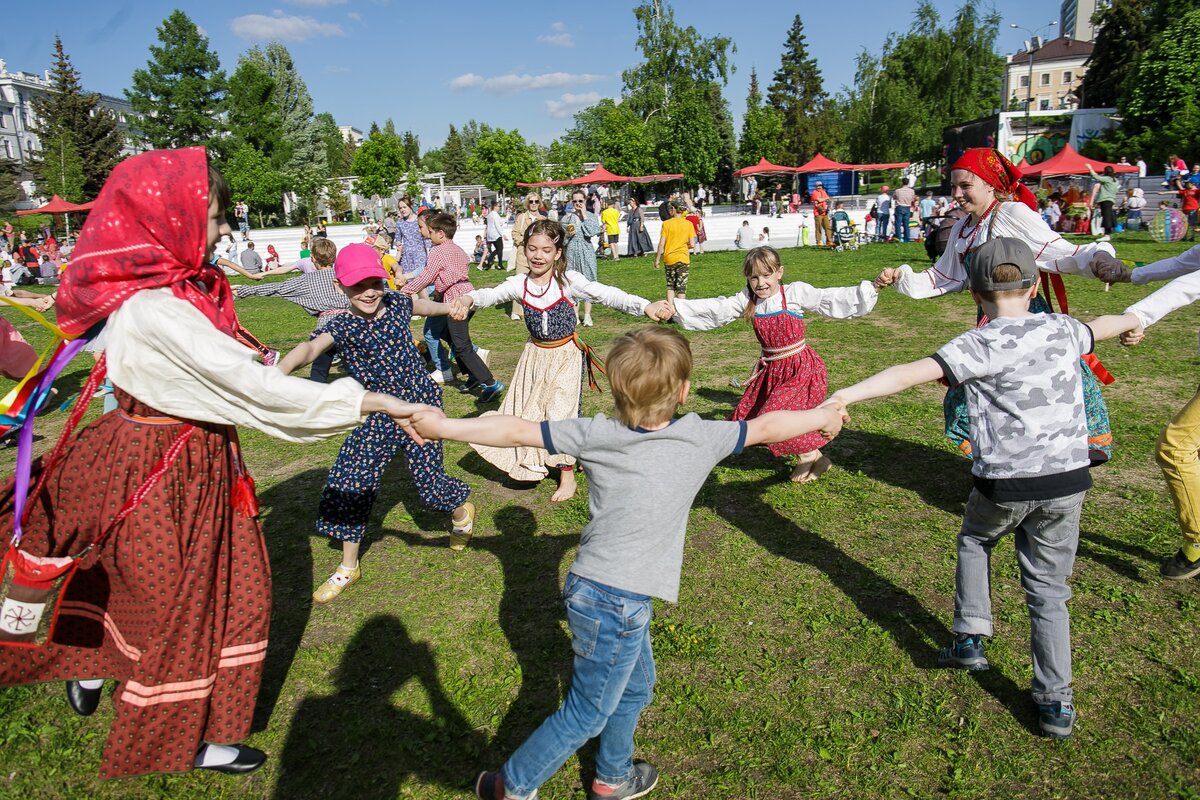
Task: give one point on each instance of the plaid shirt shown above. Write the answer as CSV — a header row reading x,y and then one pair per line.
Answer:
x,y
446,268
314,292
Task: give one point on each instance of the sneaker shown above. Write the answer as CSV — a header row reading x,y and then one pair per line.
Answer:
x,y
490,786
270,358
491,392
1057,720
1178,568
484,354
587,322
966,652
463,522
442,376
335,584
640,783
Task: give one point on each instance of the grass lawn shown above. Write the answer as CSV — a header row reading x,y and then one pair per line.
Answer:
x,y
800,660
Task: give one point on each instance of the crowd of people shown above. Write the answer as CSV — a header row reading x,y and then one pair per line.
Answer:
x,y
171,595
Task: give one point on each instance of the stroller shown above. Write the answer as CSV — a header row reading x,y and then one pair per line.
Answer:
x,y
844,235
937,234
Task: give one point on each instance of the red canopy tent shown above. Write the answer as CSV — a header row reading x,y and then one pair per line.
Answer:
x,y
602,175
820,163
763,167
58,206
1068,162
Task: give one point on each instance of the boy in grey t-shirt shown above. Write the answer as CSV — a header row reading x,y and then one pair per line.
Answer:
x,y
644,469
1025,402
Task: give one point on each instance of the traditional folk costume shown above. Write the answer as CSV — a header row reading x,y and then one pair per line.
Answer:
x,y
381,355
548,382
176,600
789,375
1054,255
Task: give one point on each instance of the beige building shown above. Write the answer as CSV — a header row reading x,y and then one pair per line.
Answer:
x,y
1048,81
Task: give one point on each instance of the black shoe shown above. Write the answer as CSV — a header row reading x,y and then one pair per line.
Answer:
x,y
1178,568
248,759
83,701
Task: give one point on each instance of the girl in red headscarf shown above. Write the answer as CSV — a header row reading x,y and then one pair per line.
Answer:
x,y
988,187
174,601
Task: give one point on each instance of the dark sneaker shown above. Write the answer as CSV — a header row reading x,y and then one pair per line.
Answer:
x,y
643,779
1178,568
490,786
965,653
491,392
1057,720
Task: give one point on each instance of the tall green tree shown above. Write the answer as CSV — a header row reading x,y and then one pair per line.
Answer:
x,y
254,179
335,146
60,170
180,94
503,158
92,128
565,159
687,136
1124,35
613,134
252,115
762,129
726,137
307,169
411,145
378,165
454,160
10,184
797,93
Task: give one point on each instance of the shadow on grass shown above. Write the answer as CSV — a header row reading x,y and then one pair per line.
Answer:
x,y
913,628
940,478
357,743
530,615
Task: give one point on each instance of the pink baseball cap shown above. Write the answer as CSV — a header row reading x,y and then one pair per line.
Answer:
x,y
356,263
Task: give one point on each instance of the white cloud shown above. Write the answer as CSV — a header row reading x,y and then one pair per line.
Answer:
x,y
521,83
566,105
316,3
558,36
354,15
282,27
468,81
200,29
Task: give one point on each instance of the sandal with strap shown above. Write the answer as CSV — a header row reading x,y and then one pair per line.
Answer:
x,y
336,583
463,521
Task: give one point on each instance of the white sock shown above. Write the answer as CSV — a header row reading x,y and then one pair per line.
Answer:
x,y
215,755
95,683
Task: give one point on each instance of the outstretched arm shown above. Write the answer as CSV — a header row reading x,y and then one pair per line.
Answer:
x,y
304,354
427,308
779,426
1111,325
890,381
499,431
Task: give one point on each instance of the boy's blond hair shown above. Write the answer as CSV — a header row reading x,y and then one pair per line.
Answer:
x,y
323,252
1005,273
647,368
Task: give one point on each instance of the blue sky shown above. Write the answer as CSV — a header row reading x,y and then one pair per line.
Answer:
x,y
427,65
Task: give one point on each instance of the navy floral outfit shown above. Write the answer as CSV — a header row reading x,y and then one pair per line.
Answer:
x,y
379,353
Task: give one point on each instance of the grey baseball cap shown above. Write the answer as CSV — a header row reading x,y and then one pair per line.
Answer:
x,y
993,253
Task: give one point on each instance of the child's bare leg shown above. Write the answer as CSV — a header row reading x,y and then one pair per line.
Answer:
x,y
810,466
350,554
566,485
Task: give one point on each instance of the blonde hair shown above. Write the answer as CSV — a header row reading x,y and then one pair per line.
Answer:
x,y
1005,273
647,368
323,252
759,261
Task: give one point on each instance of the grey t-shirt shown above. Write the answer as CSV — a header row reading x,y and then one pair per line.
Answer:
x,y
641,485
251,261
1024,394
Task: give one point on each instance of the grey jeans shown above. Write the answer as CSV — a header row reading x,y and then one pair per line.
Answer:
x,y
1046,535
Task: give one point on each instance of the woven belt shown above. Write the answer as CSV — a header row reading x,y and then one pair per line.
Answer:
x,y
770,354
592,360
140,419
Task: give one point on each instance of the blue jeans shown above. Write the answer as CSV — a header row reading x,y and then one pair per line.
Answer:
x,y
437,333
1046,534
881,227
612,680
903,214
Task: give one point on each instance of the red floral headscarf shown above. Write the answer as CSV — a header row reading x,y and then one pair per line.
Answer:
x,y
997,171
147,229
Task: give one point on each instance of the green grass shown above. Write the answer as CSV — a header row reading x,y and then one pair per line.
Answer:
x,y
799,661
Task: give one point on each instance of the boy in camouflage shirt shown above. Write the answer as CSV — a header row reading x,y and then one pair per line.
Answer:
x,y
1025,400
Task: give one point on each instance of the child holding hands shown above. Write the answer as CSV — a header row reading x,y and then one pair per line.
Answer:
x,y
1025,400
377,348
645,467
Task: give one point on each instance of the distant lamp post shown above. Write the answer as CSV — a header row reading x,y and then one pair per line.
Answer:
x,y
1032,45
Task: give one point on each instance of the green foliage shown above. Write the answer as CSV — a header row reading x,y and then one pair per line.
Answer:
x,y
60,170
687,135
797,93
762,129
433,160
92,128
566,160
924,80
253,117
180,94
411,145
336,201
718,109
614,135
10,184
502,159
454,160
336,157
378,165
412,181
254,179
1124,35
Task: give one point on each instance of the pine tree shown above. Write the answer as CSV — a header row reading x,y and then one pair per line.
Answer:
x,y
92,127
253,118
335,149
412,146
762,128
181,92
796,92
454,160
10,184
60,170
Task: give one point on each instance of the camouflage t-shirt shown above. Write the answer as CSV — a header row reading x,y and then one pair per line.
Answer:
x,y
1024,394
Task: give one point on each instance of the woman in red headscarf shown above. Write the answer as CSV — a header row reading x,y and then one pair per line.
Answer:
x,y
988,187
174,601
